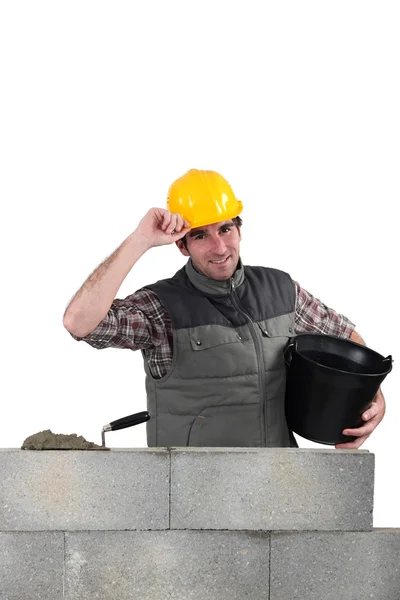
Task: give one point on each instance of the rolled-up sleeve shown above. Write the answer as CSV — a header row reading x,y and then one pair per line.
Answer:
x,y
313,316
137,322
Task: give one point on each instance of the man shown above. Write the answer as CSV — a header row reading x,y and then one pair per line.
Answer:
x,y
212,336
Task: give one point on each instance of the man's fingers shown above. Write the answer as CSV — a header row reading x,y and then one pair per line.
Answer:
x,y
180,224
166,221
366,429
353,445
180,234
180,227
172,224
371,416
361,433
372,412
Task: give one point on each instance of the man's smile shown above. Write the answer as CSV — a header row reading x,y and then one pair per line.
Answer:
x,y
221,261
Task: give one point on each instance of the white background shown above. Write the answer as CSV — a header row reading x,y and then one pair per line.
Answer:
x,y
104,104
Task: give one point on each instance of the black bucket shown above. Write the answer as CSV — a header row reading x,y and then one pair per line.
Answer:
x,y
331,381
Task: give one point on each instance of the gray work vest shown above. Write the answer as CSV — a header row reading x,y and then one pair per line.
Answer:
x,y
226,386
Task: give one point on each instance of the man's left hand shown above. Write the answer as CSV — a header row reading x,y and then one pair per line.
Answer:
x,y
372,417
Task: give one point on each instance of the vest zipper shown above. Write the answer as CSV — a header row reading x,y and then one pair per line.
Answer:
x,y
260,361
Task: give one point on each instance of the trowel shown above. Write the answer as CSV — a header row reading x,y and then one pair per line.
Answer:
x,y
128,421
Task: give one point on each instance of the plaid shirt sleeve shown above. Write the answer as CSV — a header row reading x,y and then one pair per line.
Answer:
x,y
138,322
311,315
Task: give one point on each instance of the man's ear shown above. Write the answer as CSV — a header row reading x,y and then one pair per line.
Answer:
x,y
182,248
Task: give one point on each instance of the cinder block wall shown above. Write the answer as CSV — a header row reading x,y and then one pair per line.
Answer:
x,y
193,523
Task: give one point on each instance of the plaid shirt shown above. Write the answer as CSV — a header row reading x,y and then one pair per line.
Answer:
x,y
140,322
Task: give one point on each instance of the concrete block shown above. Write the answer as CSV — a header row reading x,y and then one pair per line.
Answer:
x,y
154,565
271,489
336,566
31,566
89,490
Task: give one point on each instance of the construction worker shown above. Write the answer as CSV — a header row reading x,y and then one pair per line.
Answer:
x,y
212,336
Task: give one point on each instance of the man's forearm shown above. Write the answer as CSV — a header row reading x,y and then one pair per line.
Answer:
x,y
91,303
355,337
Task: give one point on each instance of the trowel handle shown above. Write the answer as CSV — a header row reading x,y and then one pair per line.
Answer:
x,y
128,421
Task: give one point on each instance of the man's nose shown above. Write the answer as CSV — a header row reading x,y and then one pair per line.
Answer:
x,y
218,245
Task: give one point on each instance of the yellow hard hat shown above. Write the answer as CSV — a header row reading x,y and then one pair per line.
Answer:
x,y
203,198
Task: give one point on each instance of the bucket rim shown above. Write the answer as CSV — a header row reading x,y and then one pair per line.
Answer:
x,y
314,362
343,341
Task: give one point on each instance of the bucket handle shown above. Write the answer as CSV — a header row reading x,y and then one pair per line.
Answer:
x,y
287,354
389,358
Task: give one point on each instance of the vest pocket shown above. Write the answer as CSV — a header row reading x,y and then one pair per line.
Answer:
x,y
235,425
212,336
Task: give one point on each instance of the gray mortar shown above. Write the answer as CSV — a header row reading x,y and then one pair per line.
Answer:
x,y
47,440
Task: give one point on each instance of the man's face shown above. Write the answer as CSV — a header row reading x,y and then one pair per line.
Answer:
x,y
214,249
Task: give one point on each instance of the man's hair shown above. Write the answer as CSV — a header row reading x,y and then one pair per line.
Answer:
x,y
237,221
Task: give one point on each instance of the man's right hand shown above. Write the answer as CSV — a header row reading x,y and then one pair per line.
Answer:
x,y
92,302
160,227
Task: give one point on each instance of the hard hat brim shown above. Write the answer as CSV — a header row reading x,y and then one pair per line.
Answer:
x,y
226,217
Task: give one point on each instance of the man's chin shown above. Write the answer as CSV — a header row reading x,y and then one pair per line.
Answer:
x,y
222,273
